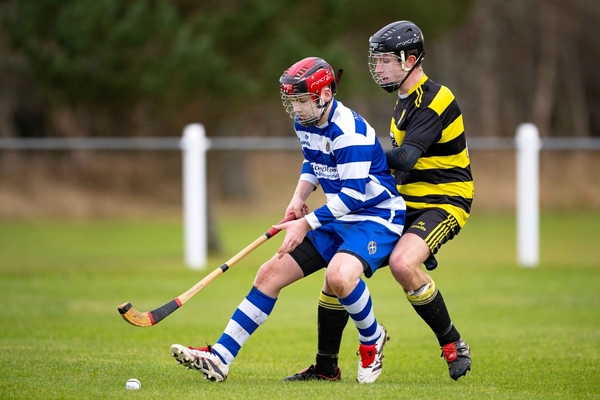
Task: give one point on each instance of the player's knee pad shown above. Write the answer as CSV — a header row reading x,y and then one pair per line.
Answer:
x,y
425,294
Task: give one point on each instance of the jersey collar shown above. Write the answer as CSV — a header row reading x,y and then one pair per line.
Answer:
x,y
421,82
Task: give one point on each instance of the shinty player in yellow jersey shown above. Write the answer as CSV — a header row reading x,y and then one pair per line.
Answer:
x,y
430,159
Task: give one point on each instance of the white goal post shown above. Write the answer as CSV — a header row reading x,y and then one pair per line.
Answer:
x,y
528,209
194,145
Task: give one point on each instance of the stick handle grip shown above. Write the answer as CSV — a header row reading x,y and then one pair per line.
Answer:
x,y
272,232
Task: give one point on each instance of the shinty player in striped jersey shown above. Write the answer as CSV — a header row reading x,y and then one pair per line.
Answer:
x,y
431,162
353,233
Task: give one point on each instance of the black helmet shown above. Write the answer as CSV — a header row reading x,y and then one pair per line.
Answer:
x,y
397,38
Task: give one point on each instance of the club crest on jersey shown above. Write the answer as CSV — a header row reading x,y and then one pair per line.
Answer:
x,y
327,147
372,247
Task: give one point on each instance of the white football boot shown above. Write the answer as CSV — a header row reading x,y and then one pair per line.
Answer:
x,y
371,356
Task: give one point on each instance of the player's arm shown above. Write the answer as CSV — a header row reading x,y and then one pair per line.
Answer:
x,y
303,189
307,184
296,230
424,129
403,158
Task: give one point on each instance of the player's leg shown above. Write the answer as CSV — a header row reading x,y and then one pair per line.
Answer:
x,y
416,247
366,248
359,246
331,321
213,362
331,316
343,276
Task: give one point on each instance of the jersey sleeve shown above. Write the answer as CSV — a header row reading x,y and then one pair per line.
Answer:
x,y
308,174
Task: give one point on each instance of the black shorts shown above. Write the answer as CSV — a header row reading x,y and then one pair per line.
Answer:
x,y
434,225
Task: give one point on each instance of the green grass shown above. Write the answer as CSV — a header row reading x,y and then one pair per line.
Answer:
x,y
534,332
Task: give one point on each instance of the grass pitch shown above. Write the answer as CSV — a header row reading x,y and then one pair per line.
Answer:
x,y
534,333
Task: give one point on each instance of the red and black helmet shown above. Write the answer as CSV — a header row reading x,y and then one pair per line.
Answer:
x,y
305,80
309,75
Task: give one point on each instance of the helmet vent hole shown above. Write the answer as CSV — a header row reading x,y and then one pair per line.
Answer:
x,y
389,32
301,72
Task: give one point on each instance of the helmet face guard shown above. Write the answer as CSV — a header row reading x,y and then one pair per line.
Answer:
x,y
305,108
388,51
386,70
389,71
301,89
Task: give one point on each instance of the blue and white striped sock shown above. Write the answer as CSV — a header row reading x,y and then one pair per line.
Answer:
x,y
359,306
249,315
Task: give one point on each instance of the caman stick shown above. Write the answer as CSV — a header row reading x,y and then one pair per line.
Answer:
x,y
143,319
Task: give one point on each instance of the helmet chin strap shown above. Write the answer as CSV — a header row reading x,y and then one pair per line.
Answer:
x,y
323,108
403,62
324,105
409,70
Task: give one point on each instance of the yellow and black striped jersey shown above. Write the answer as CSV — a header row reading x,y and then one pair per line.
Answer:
x,y
429,118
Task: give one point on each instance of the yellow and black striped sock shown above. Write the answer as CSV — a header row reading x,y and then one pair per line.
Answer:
x,y
332,319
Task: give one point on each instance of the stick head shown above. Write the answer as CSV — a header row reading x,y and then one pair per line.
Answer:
x,y
134,317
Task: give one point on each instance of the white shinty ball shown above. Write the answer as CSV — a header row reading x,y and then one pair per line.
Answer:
x,y
133,384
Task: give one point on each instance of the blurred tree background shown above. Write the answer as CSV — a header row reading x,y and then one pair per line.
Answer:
x,y
71,63
83,68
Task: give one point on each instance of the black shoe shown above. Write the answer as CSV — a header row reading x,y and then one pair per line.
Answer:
x,y
458,357
311,374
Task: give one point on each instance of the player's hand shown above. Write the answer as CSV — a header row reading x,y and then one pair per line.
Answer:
x,y
295,231
298,208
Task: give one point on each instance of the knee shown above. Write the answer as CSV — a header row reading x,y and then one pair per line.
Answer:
x,y
401,266
333,278
337,280
398,263
265,275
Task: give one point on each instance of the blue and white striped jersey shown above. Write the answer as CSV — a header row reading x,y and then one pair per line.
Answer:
x,y
345,157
